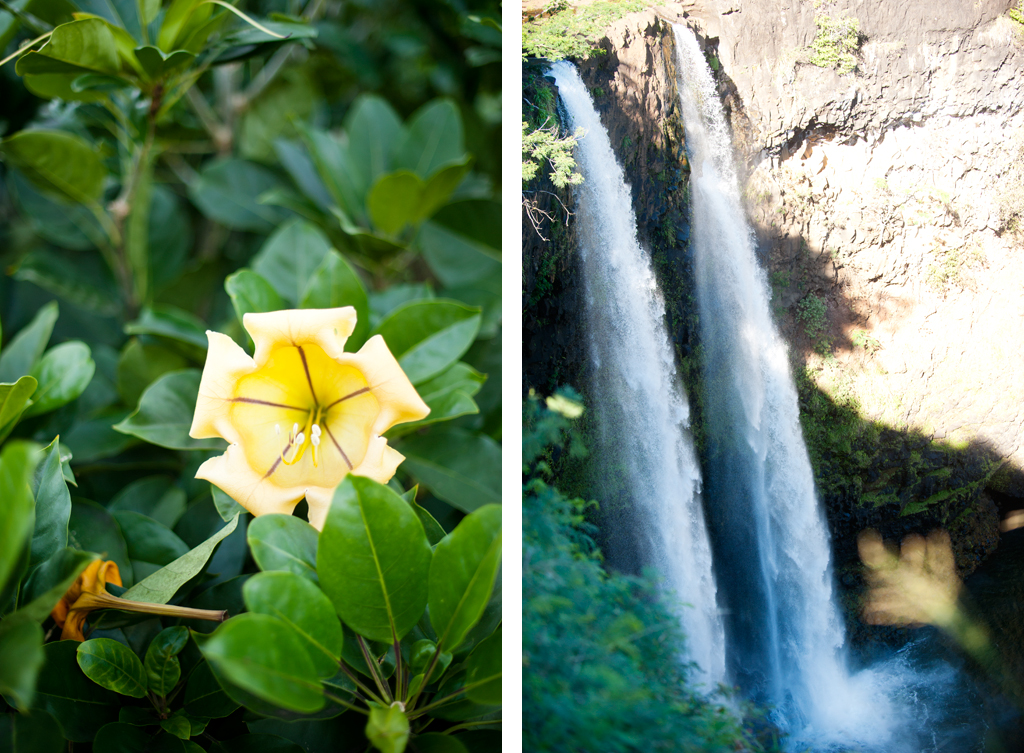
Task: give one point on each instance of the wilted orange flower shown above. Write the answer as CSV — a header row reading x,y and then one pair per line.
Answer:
x,y
300,414
89,593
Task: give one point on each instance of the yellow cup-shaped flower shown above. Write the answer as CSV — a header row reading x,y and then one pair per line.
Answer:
x,y
300,414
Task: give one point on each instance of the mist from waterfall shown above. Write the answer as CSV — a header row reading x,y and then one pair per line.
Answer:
x,y
644,447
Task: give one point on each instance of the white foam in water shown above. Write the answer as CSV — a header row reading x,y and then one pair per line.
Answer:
x,y
641,406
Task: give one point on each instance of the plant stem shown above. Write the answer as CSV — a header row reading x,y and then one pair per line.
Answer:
x,y
372,665
346,704
355,679
438,702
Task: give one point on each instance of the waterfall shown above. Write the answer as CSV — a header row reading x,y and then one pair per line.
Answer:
x,y
644,445
785,633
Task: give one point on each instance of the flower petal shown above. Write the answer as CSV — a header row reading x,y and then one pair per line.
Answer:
x,y
226,363
255,492
398,399
319,500
328,328
380,462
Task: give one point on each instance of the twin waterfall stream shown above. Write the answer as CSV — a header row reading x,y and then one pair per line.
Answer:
x,y
744,551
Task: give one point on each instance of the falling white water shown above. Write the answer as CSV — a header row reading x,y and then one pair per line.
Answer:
x,y
640,405
771,538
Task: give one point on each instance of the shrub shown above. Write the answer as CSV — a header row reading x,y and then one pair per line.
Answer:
x,y
835,43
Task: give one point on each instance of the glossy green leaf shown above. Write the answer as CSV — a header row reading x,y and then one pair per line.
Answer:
x,y
296,161
433,139
483,671
180,16
462,574
429,336
63,374
289,99
456,258
162,671
373,560
227,508
387,728
64,691
141,364
70,226
53,505
161,586
448,395
18,460
83,280
394,201
49,582
113,666
31,733
170,322
431,527
27,347
290,256
251,293
79,46
226,192
21,657
461,467
435,742
264,656
298,602
335,283
442,184
204,696
13,399
284,542
164,415
57,162
94,438
178,726
373,129
93,528
149,541
334,167
154,496
157,64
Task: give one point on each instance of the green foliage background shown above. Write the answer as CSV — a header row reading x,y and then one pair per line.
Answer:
x,y
165,169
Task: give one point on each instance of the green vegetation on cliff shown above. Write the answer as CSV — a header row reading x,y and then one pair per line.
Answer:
x,y
601,669
564,32
835,43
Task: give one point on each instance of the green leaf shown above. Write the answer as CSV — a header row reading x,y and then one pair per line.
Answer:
x,y
141,364
227,508
164,415
159,587
69,226
27,347
92,527
157,64
433,139
226,192
94,438
394,201
204,696
461,467
113,666
170,322
31,733
335,283
373,129
435,742
154,496
250,293
449,395
76,47
462,575
57,162
257,742
21,658
177,725
290,257
163,670
429,336
483,670
13,399
284,542
63,374
298,602
373,560
53,506
387,728
149,541
289,99
18,460
49,582
334,167
122,737
265,657
454,257
81,279
65,692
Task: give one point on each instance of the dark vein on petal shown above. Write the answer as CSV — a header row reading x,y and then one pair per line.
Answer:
x,y
305,366
349,396
255,401
277,462
338,446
